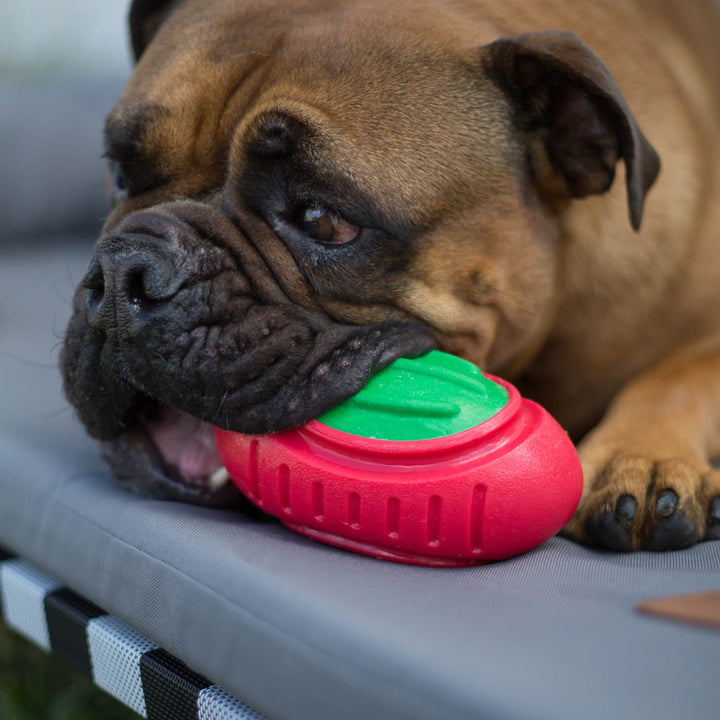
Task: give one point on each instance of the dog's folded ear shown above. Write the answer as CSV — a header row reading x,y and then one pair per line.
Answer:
x,y
145,18
572,113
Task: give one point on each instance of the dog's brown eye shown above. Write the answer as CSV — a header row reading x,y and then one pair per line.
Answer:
x,y
326,226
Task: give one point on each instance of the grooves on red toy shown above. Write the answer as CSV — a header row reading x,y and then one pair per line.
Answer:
x,y
488,493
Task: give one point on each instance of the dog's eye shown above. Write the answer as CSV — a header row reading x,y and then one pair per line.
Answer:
x,y
117,181
326,226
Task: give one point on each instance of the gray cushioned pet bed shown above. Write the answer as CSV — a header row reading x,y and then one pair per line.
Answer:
x,y
298,630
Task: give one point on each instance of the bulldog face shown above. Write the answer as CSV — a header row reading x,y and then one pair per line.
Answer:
x,y
300,196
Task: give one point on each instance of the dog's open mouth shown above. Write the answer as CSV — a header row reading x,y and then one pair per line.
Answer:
x,y
186,446
170,454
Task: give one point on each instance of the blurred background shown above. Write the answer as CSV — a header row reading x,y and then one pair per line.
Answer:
x,y
62,67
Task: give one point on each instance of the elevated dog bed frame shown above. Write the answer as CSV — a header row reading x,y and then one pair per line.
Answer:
x,y
216,612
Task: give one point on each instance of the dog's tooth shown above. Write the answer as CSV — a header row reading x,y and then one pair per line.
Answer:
x,y
219,478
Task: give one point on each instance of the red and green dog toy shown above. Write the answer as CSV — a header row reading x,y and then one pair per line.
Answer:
x,y
432,463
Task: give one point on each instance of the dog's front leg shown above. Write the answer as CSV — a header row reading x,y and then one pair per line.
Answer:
x,y
649,482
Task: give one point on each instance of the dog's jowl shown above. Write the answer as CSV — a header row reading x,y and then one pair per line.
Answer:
x,y
305,190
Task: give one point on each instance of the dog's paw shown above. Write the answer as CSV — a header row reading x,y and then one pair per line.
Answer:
x,y
636,503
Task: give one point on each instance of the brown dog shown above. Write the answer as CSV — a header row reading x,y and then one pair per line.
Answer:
x,y
306,189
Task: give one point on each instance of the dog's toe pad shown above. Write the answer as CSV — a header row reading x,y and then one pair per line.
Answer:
x,y
611,529
673,530
713,523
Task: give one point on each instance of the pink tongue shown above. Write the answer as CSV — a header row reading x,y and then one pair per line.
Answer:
x,y
185,443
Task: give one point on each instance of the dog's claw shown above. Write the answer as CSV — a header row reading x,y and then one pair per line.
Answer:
x,y
625,508
667,503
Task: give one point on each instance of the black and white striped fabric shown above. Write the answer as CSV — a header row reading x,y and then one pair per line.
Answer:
x,y
119,660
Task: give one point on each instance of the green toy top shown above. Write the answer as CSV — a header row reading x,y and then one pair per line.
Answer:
x,y
429,397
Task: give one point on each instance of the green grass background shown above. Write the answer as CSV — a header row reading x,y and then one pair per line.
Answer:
x,y
36,686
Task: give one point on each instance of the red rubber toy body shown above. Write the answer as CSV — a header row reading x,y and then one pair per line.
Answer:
x,y
487,493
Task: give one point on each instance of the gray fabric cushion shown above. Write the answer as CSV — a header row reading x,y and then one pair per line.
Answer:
x,y
300,630
53,173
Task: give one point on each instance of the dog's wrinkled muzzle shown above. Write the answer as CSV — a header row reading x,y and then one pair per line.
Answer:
x,y
180,320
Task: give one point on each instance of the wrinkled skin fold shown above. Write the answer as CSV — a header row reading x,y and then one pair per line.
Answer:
x,y
178,309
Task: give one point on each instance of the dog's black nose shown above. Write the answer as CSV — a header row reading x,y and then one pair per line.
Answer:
x,y
127,280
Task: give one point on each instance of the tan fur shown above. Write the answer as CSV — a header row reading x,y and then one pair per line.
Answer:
x,y
562,296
